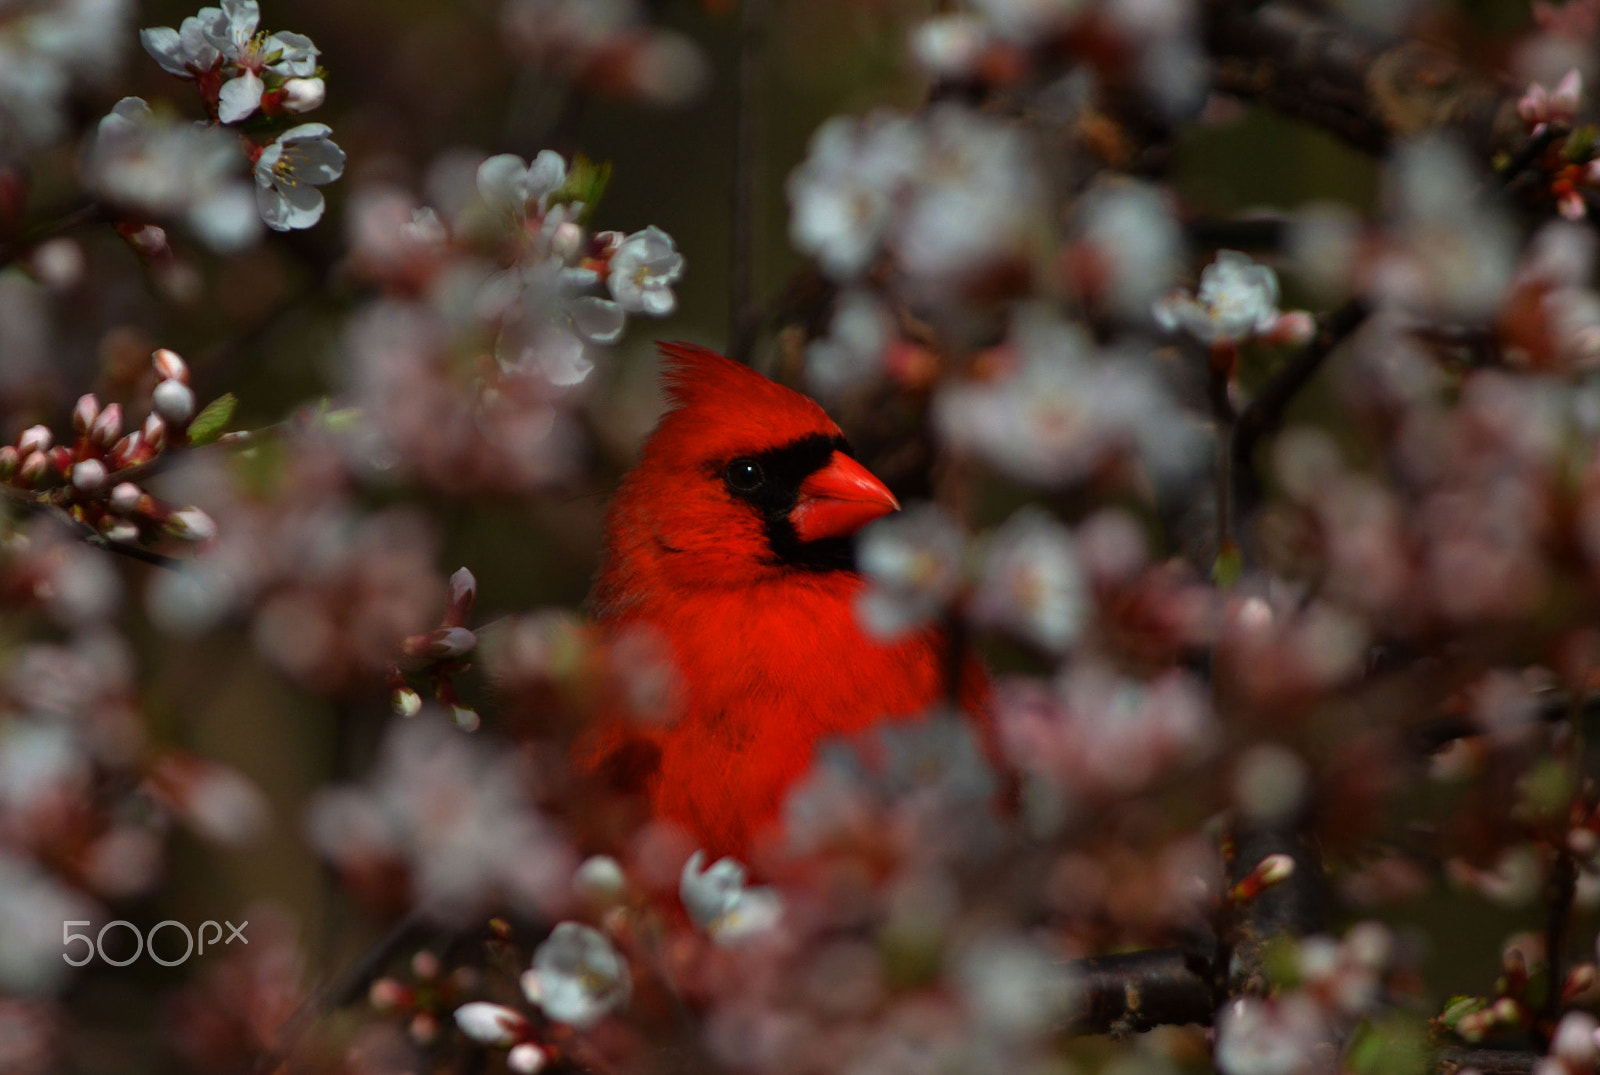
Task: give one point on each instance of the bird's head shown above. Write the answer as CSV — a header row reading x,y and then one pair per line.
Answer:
x,y
741,477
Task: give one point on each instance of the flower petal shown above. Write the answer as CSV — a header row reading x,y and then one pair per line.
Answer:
x,y
166,48
239,97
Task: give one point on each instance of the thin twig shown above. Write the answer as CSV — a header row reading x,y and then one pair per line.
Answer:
x,y
342,990
60,226
1265,412
746,162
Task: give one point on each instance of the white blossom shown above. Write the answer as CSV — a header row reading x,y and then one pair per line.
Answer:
x,y
913,560
643,270
509,183
168,168
1062,409
719,902
490,1024
1031,582
1275,1036
288,173
842,196
852,352
578,977
46,49
1238,299
232,31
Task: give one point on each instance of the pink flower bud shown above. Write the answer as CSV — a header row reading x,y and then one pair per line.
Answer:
x,y
442,644
125,451
1574,1042
174,401
155,431
191,524
34,467
466,718
61,460
304,94
407,702
9,459
148,241
169,366
386,994
425,965
463,590
424,1028
526,1059
490,1024
107,427
35,439
85,412
124,499
88,475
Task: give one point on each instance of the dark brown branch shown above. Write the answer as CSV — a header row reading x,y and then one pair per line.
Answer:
x,y
1306,63
1484,1061
343,990
1265,412
1135,991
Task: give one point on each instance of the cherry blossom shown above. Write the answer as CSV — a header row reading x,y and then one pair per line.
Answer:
x,y
719,902
643,269
578,977
843,194
1237,300
288,173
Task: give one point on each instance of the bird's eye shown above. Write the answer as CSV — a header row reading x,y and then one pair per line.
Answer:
x,y
744,475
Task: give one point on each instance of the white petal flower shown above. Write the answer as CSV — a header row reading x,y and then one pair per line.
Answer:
x,y
643,271
508,183
1032,583
168,168
288,172
578,977
183,52
842,196
239,97
719,903
596,320
914,562
852,352
304,94
490,1024
1238,299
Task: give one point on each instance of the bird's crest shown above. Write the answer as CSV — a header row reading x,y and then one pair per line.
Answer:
x,y
708,388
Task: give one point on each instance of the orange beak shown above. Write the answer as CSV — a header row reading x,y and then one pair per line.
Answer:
x,y
839,499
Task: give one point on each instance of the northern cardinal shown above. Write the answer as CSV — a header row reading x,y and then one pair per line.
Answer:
x,y
732,540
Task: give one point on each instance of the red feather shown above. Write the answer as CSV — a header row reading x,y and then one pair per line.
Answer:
x,y
771,657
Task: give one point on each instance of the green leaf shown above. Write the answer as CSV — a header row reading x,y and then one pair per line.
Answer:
x,y
586,183
211,422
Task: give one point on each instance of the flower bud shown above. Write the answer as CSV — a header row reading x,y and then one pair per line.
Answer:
x,y
169,366
567,240
148,241
126,451
88,475
407,702
85,412
107,427
1574,1042
443,644
35,439
386,994
526,1059
61,460
191,524
34,467
600,880
155,432
463,590
124,498
424,1028
174,401
119,530
490,1024
9,459
466,718
304,94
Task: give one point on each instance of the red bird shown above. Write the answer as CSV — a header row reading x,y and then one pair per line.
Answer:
x,y
732,539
